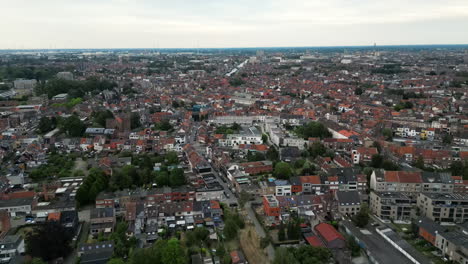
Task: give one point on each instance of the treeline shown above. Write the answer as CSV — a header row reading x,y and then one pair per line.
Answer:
x,y
29,72
74,88
139,173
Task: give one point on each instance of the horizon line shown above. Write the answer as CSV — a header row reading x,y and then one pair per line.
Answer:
x,y
247,47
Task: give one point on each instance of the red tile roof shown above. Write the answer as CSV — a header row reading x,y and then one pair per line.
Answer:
x,y
314,241
328,232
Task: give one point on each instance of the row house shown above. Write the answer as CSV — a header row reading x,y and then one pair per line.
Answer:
x,y
414,182
339,144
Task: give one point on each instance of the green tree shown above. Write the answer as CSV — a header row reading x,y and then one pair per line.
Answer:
x,y
419,163
177,177
230,229
313,129
72,126
135,120
244,197
283,170
264,138
376,161
358,91
255,156
164,126
361,219
100,117
317,149
48,241
46,124
272,154
281,233
173,253
283,255
388,134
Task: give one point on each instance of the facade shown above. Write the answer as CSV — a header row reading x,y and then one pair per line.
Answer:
x,y
349,202
444,207
392,206
19,206
102,220
413,182
271,206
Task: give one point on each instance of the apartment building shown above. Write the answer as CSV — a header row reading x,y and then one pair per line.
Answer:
x,y
392,205
446,207
411,181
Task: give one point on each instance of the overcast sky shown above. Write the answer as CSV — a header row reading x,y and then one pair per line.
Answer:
x,y
229,23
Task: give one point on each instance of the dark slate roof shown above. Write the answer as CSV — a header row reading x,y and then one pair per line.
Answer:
x,y
348,198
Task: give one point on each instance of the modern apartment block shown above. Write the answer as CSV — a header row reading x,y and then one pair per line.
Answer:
x,y
392,206
444,207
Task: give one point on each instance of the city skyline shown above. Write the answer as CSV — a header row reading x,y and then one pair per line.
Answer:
x,y
226,24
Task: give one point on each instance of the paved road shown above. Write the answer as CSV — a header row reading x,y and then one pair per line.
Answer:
x,y
377,247
259,229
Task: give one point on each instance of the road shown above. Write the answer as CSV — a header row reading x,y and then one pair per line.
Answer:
x,y
231,197
259,229
376,247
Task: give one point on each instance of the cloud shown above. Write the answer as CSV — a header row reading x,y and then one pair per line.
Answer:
x,y
223,23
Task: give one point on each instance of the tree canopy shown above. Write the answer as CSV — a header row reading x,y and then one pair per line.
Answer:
x,y
283,170
313,129
49,241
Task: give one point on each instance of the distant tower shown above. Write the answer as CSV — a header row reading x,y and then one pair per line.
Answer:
x,y
375,49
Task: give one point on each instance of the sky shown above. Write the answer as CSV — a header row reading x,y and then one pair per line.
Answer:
x,y
42,24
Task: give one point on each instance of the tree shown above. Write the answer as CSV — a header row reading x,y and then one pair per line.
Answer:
x,y
100,117
358,91
177,177
49,241
447,139
164,126
283,255
255,156
230,229
135,120
173,253
376,161
388,134
314,255
72,126
419,163
244,197
272,154
46,124
281,233
361,219
313,129
353,246
264,138
317,149
294,229
171,158
283,170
